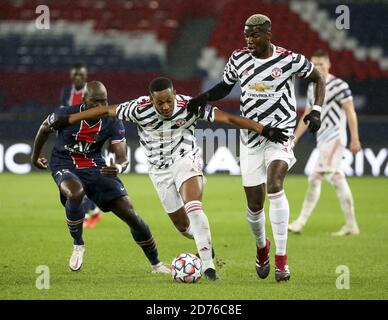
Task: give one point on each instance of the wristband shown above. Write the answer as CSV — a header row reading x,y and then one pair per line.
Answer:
x,y
317,108
119,167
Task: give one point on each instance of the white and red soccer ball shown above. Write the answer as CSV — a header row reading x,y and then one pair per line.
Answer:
x,y
186,268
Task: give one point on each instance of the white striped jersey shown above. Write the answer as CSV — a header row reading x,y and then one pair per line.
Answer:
x,y
333,117
164,140
267,88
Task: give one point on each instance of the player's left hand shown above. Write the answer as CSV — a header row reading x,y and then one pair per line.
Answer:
x,y
110,171
274,134
355,146
314,120
40,163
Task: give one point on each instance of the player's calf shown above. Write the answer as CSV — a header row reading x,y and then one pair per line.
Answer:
x,y
202,236
182,223
140,231
74,219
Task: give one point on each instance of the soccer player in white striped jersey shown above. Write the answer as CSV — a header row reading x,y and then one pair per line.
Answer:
x,y
166,131
331,142
266,76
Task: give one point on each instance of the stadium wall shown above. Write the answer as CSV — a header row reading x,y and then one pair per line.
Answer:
x,y
220,156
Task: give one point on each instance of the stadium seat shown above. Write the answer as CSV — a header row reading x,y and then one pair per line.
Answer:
x,y
227,35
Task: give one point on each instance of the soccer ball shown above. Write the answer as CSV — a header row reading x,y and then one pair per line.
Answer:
x,y
186,268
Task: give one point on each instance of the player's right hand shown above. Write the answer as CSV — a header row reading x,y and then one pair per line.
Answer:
x,y
110,171
355,146
57,122
196,103
274,134
40,163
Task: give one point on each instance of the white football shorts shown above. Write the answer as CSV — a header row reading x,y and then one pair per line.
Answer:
x,y
330,157
168,182
254,162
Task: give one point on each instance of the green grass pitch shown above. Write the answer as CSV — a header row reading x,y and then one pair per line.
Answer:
x,y
33,232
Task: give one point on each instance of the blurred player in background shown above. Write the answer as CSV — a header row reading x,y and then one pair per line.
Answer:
x,y
72,95
79,169
331,142
266,75
166,130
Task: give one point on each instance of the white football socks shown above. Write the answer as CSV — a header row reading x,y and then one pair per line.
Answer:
x,y
199,225
345,197
279,214
256,221
311,198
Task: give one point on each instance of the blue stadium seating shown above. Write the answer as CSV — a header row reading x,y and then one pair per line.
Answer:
x,y
367,23
37,53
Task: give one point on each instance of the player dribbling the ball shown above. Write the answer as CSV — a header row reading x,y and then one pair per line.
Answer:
x,y
166,130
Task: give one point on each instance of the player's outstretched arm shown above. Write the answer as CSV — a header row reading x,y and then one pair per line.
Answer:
x,y
94,113
218,92
273,134
40,140
57,122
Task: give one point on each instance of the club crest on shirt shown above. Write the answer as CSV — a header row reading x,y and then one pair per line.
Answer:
x,y
180,122
276,72
208,108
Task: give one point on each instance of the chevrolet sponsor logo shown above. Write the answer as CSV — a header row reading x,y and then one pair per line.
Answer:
x,y
259,87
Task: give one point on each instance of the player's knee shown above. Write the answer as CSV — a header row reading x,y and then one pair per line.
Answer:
x,y
336,179
274,186
76,195
255,207
181,221
182,226
131,209
315,179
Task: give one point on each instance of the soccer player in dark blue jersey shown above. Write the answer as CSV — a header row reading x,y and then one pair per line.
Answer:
x,y
79,169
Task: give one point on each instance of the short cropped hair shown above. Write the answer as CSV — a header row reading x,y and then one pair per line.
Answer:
x,y
320,53
259,20
160,84
78,65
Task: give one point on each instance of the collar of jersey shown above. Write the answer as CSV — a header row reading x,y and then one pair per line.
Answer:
x,y
329,77
75,90
269,58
